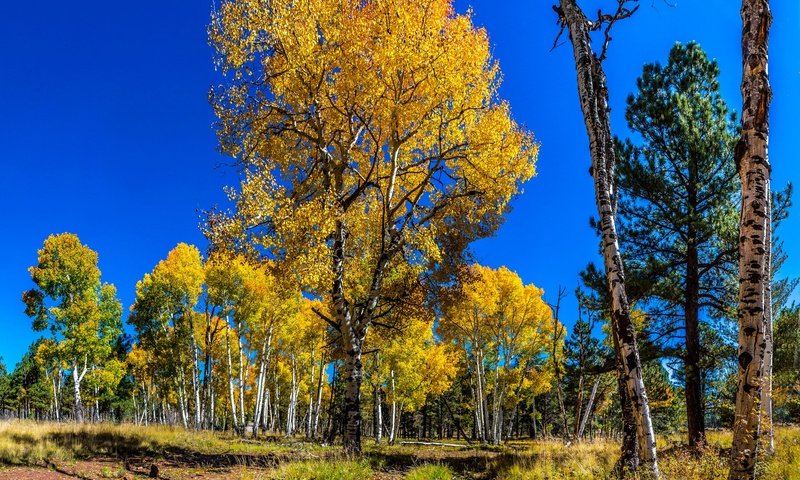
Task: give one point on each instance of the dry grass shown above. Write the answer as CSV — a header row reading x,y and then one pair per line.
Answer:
x,y
32,443
29,443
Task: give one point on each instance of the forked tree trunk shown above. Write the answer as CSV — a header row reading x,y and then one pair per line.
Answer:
x,y
76,378
593,96
754,229
354,324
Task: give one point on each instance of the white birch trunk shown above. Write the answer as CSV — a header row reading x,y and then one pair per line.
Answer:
x,y
593,95
378,415
77,378
393,422
198,411
230,378
310,412
318,404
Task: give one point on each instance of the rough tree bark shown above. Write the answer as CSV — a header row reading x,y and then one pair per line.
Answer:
x,y
593,96
695,421
754,173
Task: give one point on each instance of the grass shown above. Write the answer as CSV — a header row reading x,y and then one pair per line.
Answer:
x,y
551,459
41,444
323,470
430,472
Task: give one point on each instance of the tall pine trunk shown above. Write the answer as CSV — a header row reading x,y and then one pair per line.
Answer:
x,y
695,420
593,96
754,229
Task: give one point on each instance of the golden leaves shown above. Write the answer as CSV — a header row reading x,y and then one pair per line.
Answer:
x,y
379,115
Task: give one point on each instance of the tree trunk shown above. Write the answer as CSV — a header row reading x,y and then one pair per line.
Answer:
x,y
318,406
593,96
378,415
393,422
242,376
496,401
230,379
695,420
291,414
56,408
263,364
754,228
586,412
766,390
76,377
310,413
198,411
629,458
484,415
352,401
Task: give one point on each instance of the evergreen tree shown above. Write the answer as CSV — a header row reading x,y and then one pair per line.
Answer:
x,y
678,204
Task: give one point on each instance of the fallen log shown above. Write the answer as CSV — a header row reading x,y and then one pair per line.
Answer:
x,y
435,444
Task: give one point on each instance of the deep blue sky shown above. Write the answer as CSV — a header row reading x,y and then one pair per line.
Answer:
x,y
105,130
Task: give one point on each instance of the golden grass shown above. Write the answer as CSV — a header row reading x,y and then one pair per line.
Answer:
x,y
30,443
430,472
323,470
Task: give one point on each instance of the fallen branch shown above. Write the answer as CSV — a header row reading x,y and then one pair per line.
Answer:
x,y
436,444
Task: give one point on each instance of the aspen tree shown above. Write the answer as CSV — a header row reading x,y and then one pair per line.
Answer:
x,y
593,95
368,134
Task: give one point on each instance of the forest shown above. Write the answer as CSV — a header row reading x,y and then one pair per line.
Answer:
x,y
336,323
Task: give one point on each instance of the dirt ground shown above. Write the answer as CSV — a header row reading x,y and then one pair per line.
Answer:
x,y
115,469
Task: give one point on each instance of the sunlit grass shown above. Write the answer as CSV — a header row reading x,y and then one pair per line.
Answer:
x,y
552,459
323,470
31,443
430,472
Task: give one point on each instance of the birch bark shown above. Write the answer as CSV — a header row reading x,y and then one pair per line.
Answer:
x,y
593,95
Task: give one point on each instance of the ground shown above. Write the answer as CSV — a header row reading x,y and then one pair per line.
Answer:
x,y
35,451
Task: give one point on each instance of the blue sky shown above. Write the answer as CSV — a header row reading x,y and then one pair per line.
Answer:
x,y
106,131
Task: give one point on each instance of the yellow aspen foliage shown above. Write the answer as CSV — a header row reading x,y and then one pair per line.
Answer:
x,y
504,331
421,367
368,113
370,136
